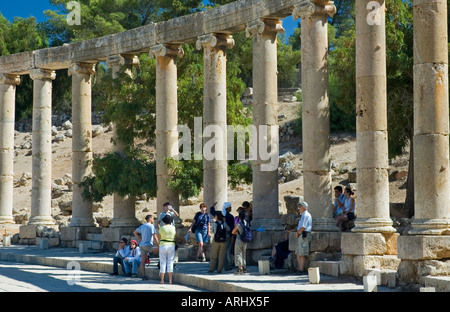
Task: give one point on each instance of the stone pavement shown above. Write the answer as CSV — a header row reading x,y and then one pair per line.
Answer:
x,y
189,274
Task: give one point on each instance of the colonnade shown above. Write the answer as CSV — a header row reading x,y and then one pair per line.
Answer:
x,y
431,123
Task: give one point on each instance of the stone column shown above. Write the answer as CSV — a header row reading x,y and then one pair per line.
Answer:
x,y
124,214
41,193
81,140
429,238
431,122
373,241
166,119
316,112
265,122
215,174
371,120
7,111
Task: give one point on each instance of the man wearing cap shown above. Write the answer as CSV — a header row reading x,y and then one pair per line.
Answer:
x,y
304,236
229,220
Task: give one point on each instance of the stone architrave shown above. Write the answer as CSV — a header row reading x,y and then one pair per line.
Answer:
x,y
265,121
431,119
124,214
215,174
82,214
316,112
371,120
8,85
41,193
166,119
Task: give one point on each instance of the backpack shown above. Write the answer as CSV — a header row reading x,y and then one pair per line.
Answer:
x,y
246,236
221,233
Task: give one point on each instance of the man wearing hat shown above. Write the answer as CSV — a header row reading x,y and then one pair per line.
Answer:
x,y
229,220
304,236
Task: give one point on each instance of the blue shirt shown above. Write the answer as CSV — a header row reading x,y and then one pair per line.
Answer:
x,y
305,221
342,200
146,230
348,205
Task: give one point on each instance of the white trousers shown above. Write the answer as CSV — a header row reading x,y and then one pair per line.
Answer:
x,y
166,258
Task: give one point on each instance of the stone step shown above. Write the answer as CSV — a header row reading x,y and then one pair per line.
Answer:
x,y
326,267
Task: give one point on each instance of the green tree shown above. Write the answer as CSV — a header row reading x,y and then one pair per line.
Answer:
x,y
22,34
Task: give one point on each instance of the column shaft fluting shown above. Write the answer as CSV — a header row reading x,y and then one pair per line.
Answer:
x,y
371,121
41,193
431,119
7,110
166,120
124,214
82,214
265,122
316,113
215,173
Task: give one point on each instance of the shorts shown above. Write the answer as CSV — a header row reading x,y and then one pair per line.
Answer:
x,y
147,248
201,235
350,216
303,245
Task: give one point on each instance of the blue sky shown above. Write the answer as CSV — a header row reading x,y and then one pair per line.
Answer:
x,y
27,8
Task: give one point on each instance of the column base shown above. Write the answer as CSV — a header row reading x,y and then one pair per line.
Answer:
x,y
430,227
41,220
7,220
363,244
373,225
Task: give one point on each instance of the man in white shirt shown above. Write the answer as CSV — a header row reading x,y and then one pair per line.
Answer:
x,y
168,210
304,236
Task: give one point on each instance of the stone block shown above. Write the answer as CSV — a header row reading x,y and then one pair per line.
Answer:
x,y
264,267
314,275
68,233
391,243
83,247
439,283
6,241
422,247
319,241
43,243
363,244
427,289
370,283
28,231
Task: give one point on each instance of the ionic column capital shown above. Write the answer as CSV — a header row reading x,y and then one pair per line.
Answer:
x,y
264,25
119,60
166,50
308,8
42,74
9,79
81,68
215,41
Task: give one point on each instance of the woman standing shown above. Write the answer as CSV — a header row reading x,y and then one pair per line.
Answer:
x,y
201,224
166,248
240,247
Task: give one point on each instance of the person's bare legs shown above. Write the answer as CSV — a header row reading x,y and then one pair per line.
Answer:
x,y
301,262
